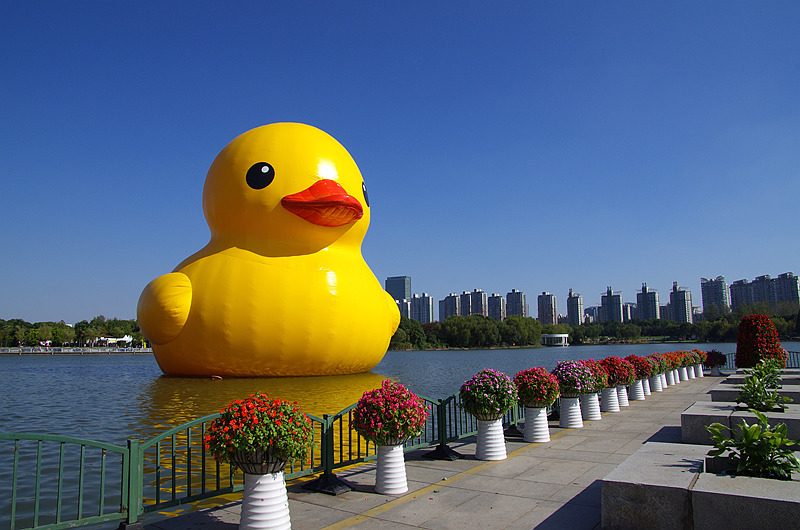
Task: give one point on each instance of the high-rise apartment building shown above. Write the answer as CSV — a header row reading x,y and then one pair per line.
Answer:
x,y
516,304
547,308
399,287
574,309
497,307
715,293
764,290
422,308
647,307
480,303
591,314
741,293
451,305
404,306
680,304
787,287
611,306
628,311
474,303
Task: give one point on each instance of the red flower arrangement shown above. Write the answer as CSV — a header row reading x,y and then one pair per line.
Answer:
x,y
620,372
714,359
599,373
758,339
641,366
536,387
389,415
272,428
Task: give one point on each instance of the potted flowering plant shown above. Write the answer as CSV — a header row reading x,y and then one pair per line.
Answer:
x,y
590,400
537,389
488,395
574,379
714,360
641,370
757,339
699,358
657,367
259,435
620,374
387,417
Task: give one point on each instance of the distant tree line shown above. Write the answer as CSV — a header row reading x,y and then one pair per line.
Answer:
x,y
477,331
18,332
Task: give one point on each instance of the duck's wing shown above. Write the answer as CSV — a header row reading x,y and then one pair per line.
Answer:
x,y
164,307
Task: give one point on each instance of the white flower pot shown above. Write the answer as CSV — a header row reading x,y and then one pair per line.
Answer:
x,y
690,372
683,374
609,401
390,478
698,370
671,377
264,502
622,396
537,430
590,407
646,386
637,391
655,383
491,440
570,413
715,372
663,381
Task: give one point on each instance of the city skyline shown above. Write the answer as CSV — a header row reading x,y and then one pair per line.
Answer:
x,y
674,297
503,145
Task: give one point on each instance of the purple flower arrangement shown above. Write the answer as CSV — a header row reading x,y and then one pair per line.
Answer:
x,y
574,378
389,415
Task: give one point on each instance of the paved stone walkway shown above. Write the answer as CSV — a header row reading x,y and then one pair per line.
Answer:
x,y
552,485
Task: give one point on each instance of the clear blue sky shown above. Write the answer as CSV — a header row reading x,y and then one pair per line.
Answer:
x,y
530,145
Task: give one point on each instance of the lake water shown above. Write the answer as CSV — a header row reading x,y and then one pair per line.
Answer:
x,y
112,397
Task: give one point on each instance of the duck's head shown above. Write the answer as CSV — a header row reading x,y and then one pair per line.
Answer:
x,y
285,189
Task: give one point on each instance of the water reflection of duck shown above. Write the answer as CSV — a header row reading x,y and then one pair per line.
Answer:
x,y
171,401
281,289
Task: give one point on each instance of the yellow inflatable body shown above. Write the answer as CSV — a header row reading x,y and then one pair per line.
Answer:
x,y
281,289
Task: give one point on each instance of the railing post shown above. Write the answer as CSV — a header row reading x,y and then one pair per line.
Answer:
x,y
328,482
442,451
135,486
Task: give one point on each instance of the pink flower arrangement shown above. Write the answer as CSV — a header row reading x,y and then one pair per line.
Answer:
x,y
488,394
536,387
599,373
389,415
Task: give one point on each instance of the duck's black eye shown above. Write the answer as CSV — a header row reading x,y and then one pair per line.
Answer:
x,y
260,175
364,189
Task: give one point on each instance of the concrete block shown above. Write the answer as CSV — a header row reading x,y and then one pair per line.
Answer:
x,y
650,489
726,392
791,417
786,379
695,419
724,501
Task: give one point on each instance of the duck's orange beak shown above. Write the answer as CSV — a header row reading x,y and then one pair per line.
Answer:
x,y
324,203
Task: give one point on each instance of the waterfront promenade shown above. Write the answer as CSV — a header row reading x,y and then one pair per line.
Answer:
x,y
551,485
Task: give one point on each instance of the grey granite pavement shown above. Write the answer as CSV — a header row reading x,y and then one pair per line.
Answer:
x,y
550,485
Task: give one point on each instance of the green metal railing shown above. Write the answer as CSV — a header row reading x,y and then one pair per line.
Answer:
x,y
173,468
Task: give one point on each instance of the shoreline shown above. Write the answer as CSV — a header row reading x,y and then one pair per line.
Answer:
x,y
74,351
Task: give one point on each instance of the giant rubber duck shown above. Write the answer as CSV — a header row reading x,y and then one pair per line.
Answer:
x,y
281,289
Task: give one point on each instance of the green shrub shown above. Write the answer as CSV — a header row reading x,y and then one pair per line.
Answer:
x,y
758,451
